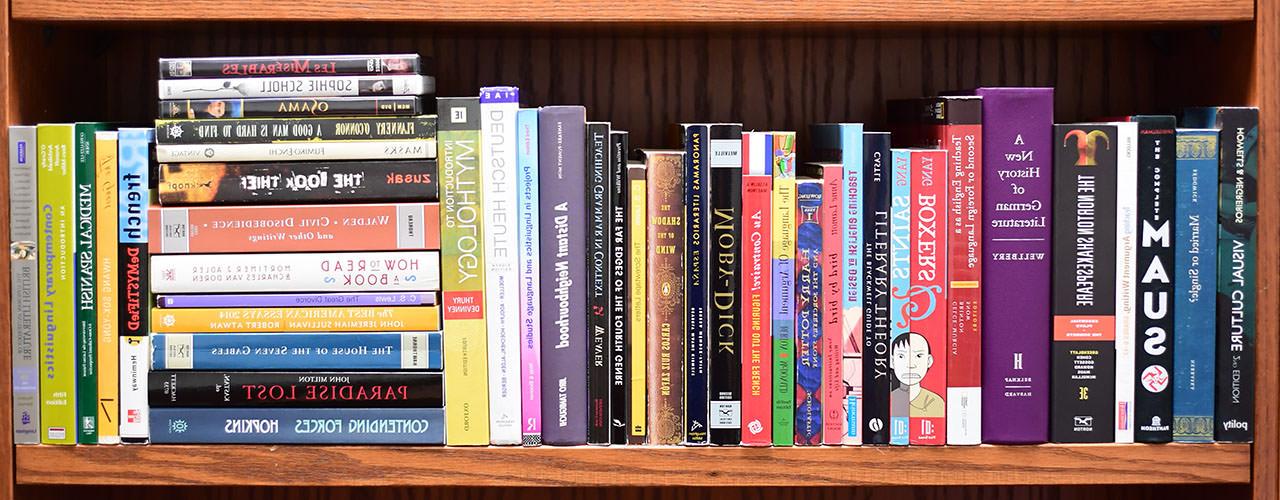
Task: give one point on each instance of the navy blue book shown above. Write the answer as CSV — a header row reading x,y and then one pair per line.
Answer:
x,y
1195,284
697,283
875,284
297,425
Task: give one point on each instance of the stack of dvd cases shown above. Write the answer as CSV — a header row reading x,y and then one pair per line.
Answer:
x,y
295,253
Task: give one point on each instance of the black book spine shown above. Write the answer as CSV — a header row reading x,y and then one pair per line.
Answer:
x,y
875,283
1153,398
291,182
697,273
192,109
618,408
724,157
217,67
1084,284
266,130
195,389
599,283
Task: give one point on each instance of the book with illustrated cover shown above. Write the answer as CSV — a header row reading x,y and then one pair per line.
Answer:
x,y
900,252
925,345
809,312
782,157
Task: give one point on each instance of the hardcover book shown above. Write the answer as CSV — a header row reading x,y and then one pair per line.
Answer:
x,y
666,296
530,292
1126,276
26,328
295,319
697,279
599,283
296,86
298,425
1084,284
875,253
192,109
1195,282
462,265
295,228
830,349
637,302
287,351
724,159
411,149
618,407
498,164
57,244
86,280
293,272
307,389
319,65
292,182
782,148
809,315
282,130
106,222
900,366
926,314
757,288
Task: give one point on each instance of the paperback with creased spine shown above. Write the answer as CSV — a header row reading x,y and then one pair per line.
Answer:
x,y
1195,284
275,107
307,389
291,182
372,64
277,130
289,351
295,228
26,326
296,272
498,108
666,296
296,86
298,425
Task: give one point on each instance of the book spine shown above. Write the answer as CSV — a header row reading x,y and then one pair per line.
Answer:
x,y
1153,400
618,408
295,319
105,220
498,108
413,149
1195,283
666,297
286,351
724,159
295,228
308,389
563,163
298,425
86,285
527,234
899,282
876,387
834,391
1237,268
809,314
134,195
1017,189
298,300
204,67
1084,284
845,292
24,303
275,183
927,314
135,359
697,276
1126,277
782,158
293,272
55,185
637,302
192,109
599,283
962,138
462,272
280,130
296,86
757,274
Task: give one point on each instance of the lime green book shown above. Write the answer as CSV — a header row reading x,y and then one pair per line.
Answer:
x,y
86,315
783,158
55,188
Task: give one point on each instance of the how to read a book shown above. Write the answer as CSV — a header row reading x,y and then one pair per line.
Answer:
x,y
317,249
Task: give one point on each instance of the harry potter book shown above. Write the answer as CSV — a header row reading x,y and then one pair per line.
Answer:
x,y
809,315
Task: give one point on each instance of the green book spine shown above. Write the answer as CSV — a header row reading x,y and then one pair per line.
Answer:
x,y
55,183
85,284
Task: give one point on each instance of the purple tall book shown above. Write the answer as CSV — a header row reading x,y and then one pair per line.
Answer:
x,y
563,250
1017,189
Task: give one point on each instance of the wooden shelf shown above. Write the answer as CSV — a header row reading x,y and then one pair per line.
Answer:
x,y
621,466
664,11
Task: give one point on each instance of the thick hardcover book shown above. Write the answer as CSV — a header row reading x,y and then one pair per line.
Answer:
x,y
1195,282
666,296
900,239
26,327
927,314
637,302
599,283
86,282
291,182
698,273
782,149
1237,266
295,272
1153,399
56,248
530,289
295,228
757,288
724,161
1084,284
192,109
1126,276
135,360
618,407
295,319
562,163
298,425
809,317
299,300
874,293
287,351
1016,219
319,65
462,271
309,389
296,86
106,222
498,108
411,149
277,130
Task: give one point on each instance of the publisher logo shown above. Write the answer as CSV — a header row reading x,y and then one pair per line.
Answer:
x,y
458,115
755,427
1155,378
22,151
875,425
1083,420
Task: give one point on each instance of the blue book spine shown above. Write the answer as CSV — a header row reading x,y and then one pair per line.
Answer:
x,y
808,313
530,295
1195,283
851,200
297,425
899,283
297,351
697,277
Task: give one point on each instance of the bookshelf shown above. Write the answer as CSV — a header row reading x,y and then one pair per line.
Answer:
x,y
769,64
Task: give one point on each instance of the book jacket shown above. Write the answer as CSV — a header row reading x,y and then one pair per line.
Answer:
x,y
1195,283
666,296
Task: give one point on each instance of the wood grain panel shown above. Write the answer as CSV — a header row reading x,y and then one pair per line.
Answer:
x,y
621,466
666,11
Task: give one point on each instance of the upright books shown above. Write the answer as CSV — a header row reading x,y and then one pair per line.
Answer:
x,y
666,296
757,276
1195,284
875,253
56,183
26,327
725,311
498,164
782,157
926,319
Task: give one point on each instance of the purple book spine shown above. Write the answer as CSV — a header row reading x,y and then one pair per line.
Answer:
x,y
562,219
298,300
1017,183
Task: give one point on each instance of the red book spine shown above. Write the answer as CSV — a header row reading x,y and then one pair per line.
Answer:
x,y
757,341
964,355
833,390
928,296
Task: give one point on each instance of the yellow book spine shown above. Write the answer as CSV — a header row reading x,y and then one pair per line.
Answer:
x,y
108,330
637,212
295,319
55,183
784,286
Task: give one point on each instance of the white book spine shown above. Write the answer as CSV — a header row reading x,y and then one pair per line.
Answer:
x,y
296,272
530,295
1126,275
411,149
135,424
297,86
22,269
498,108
